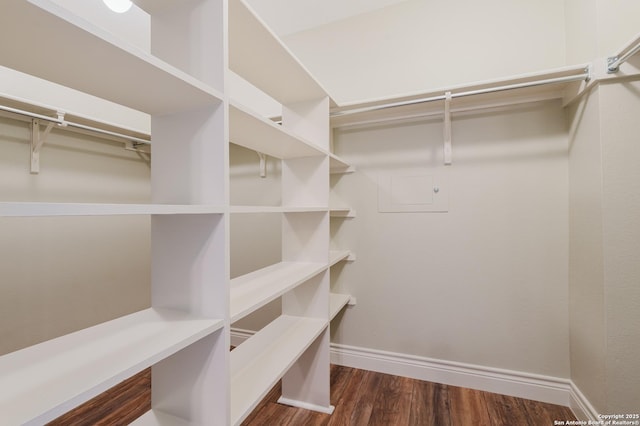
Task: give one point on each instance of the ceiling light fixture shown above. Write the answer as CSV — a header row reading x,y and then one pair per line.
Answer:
x,y
118,6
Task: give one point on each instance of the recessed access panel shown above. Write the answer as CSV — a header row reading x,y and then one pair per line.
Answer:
x,y
412,191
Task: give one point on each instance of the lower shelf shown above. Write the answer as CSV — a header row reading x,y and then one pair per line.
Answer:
x,y
44,381
336,303
258,363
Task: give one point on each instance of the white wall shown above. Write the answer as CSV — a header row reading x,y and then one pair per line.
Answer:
x,y
485,283
418,45
63,274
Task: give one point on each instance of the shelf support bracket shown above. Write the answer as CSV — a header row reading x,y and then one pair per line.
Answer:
x,y
447,129
37,141
263,165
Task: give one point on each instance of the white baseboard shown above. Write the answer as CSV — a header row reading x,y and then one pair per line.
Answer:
x,y
581,406
507,382
536,387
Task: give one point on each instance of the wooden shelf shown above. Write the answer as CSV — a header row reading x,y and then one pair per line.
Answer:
x,y
258,363
254,290
157,418
258,56
276,209
337,165
336,303
13,209
94,61
251,131
345,212
41,382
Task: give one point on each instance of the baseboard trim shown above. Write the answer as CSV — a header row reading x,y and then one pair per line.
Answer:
x,y
536,387
581,406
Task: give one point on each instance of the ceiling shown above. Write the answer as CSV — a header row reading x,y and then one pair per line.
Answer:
x,y
287,17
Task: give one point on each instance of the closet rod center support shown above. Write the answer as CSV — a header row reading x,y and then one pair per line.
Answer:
x,y
447,129
39,138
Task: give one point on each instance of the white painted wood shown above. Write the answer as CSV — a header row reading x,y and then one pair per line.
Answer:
x,y
252,291
254,132
305,237
15,209
158,418
305,181
310,119
189,150
276,209
340,211
196,46
338,165
262,360
71,369
336,303
259,57
94,61
336,256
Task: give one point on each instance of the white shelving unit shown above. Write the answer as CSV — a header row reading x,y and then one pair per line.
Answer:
x,y
295,346
184,336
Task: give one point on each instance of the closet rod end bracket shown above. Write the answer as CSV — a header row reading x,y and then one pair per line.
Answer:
x,y
612,65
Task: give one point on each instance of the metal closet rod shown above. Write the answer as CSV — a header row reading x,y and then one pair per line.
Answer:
x,y
614,62
577,77
63,123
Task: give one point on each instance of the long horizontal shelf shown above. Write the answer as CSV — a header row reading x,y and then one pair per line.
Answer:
x,y
254,290
257,55
336,256
337,165
10,209
41,382
276,209
87,58
251,131
339,211
336,303
258,363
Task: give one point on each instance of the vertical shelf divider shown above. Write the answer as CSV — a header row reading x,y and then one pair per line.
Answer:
x,y
190,255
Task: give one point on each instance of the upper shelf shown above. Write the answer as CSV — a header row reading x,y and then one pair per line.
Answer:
x,y
337,165
248,129
14,209
41,382
257,55
87,58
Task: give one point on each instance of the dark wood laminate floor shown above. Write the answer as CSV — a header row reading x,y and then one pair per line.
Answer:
x,y
360,398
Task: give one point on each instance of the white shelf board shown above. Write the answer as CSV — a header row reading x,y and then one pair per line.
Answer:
x,y
276,209
339,211
255,289
14,209
251,131
337,165
336,256
258,363
41,382
157,418
336,303
258,56
91,60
